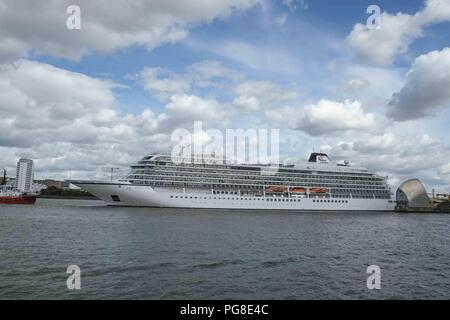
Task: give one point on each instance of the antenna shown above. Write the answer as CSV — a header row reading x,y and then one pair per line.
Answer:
x,y
4,178
112,172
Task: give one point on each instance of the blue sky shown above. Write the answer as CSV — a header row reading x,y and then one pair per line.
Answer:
x,y
310,37
310,68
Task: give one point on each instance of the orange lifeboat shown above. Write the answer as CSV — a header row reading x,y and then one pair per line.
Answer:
x,y
276,189
298,190
319,190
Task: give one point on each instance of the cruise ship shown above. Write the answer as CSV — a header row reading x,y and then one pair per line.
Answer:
x,y
198,182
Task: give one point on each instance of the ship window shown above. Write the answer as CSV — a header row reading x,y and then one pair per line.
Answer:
x,y
115,198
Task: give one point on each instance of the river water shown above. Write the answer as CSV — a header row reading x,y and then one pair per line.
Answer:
x,y
148,253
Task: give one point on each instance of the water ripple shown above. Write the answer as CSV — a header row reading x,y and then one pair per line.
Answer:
x,y
145,253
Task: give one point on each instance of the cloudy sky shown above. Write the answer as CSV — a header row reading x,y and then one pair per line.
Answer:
x,y
80,101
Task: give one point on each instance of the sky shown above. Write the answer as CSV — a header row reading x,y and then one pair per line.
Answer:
x,y
79,101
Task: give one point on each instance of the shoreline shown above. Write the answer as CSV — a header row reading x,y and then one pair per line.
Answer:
x,y
68,197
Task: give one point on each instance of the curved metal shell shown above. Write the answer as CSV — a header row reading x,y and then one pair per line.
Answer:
x,y
413,194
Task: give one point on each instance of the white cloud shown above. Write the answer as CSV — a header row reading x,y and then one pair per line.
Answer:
x,y
258,57
325,117
375,144
163,83
72,116
400,155
250,104
105,25
267,92
383,81
210,73
381,46
33,110
81,109
426,88
187,108
435,11
355,85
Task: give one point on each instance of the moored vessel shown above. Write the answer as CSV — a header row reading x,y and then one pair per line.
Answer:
x,y
22,190
17,199
9,195
199,182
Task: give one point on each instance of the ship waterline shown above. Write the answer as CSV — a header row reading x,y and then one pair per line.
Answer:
x,y
158,181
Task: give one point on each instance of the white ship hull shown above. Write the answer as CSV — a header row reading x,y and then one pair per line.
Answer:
x,y
122,194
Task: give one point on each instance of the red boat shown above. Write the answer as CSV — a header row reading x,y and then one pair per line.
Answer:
x,y
319,190
10,195
18,199
298,190
276,189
